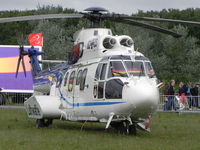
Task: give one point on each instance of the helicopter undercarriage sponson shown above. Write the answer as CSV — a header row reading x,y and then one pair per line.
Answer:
x,y
40,107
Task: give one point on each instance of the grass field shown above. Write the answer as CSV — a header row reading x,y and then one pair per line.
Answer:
x,y
170,131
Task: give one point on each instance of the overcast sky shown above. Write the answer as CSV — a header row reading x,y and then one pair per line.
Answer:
x,y
118,6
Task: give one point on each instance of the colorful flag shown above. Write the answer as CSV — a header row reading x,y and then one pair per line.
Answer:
x,y
35,39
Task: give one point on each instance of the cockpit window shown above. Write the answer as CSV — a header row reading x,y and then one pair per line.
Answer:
x,y
135,68
116,69
124,66
98,71
149,70
103,72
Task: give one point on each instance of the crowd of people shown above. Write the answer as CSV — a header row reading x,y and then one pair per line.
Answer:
x,y
185,96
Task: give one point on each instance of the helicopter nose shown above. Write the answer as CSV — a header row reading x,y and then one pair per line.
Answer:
x,y
142,97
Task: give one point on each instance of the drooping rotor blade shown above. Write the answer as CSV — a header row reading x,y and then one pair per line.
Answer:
x,y
160,20
18,64
39,17
148,26
52,61
22,53
23,65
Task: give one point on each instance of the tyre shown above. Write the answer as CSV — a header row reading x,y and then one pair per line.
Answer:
x,y
132,130
2,99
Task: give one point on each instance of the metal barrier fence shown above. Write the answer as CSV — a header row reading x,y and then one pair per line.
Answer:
x,y
179,103
13,98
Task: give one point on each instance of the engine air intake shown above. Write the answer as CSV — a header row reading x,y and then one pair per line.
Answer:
x,y
126,42
109,43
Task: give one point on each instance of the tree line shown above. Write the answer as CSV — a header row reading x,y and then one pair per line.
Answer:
x,y
172,58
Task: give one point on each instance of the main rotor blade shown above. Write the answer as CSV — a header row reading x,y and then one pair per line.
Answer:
x,y
161,20
18,64
39,17
23,65
148,26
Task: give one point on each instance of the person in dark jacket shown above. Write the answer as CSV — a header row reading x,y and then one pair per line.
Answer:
x,y
194,92
171,92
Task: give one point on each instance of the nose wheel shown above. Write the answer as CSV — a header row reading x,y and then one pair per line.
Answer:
x,y
132,129
124,127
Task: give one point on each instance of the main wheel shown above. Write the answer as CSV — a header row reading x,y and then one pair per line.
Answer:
x,y
118,126
124,128
132,130
40,123
48,122
2,99
43,123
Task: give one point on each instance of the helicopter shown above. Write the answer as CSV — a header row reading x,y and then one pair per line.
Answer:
x,y
104,80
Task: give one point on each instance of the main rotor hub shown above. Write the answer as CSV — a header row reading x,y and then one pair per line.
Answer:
x,y
96,10
95,15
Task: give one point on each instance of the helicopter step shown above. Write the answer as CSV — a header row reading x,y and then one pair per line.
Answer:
x,y
43,107
145,126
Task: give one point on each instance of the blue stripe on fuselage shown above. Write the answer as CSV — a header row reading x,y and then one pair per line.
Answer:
x,y
89,103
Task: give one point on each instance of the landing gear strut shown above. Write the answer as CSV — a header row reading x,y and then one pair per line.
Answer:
x,y
124,127
43,122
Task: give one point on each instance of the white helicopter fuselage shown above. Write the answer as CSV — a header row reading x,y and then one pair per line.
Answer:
x,y
109,82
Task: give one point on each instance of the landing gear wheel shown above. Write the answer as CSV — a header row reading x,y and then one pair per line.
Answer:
x,y
132,130
43,123
118,126
124,128
3,99
48,122
40,123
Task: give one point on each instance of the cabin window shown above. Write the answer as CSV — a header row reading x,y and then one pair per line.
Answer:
x,y
116,69
135,68
103,72
149,70
78,78
100,89
83,78
65,80
98,71
113,89
71,81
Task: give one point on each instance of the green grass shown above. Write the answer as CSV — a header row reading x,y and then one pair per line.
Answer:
x,y
170,131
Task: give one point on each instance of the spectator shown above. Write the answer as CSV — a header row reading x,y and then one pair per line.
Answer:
x,y
186,88
170,105
194,93
182,92
197,94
